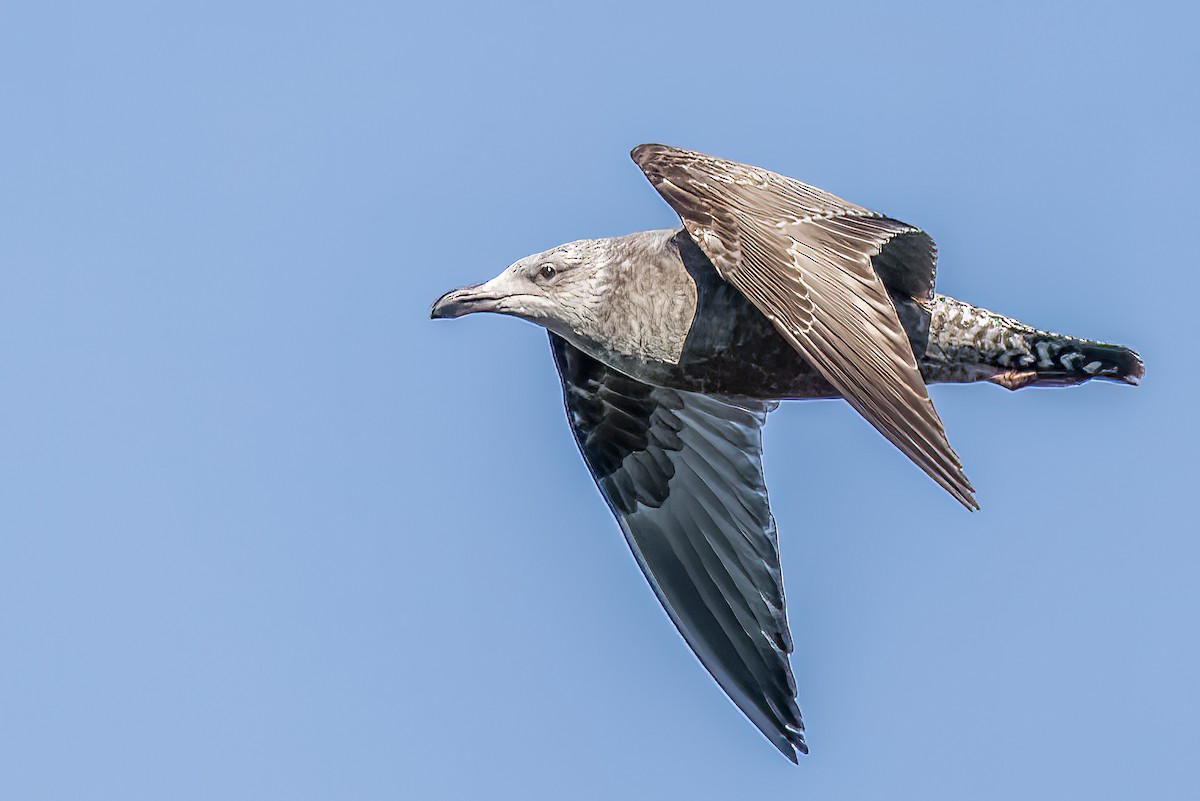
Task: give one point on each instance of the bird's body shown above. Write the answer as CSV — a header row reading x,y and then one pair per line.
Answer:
x,y
673,346
702,335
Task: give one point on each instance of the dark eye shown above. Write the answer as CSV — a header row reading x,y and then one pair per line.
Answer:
x,y
547,272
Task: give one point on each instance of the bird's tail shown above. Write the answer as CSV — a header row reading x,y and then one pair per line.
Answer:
x,y
967,343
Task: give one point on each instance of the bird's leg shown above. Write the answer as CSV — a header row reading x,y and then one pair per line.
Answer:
x,y
1014,379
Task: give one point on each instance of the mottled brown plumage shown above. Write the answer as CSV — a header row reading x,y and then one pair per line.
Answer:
x,y
803,257
672,347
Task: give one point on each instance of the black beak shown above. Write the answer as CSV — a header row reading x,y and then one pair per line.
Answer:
x,y
458,302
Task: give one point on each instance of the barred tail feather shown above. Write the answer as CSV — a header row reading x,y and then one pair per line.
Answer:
x,y
1064,361
967,343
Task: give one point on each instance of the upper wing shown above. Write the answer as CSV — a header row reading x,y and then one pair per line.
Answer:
x,y
803,257
682,473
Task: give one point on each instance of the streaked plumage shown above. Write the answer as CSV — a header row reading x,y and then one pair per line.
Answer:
x,y
673,346
803,258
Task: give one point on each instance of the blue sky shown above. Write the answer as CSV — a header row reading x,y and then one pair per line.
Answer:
x,y
268,532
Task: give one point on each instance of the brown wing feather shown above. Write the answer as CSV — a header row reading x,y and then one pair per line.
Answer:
x,y
803,257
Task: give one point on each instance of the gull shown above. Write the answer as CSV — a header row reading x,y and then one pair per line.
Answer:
x,y
673,346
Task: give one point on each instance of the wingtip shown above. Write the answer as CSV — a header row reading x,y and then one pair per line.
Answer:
x,y
792,746
961,491
967,491
801,746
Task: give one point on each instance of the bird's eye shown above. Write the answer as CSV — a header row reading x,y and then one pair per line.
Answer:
x,y
547,272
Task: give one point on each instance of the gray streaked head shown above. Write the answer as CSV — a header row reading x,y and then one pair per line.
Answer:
x,y
626,297
559,289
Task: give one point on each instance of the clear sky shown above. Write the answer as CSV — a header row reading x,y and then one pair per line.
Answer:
x,y
267,532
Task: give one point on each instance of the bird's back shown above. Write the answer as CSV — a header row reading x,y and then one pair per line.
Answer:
x,y
732,350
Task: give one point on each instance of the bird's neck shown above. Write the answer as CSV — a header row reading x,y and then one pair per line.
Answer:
x,y
646,301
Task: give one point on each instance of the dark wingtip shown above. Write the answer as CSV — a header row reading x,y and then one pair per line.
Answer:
x,y
793,745
967,496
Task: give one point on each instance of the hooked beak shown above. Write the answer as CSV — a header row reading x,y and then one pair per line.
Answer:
x,y
506,294
457,302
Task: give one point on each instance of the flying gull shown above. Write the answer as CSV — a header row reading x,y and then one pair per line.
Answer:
x,y
673,346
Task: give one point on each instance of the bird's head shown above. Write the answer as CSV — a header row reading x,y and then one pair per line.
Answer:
x,y
560,289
